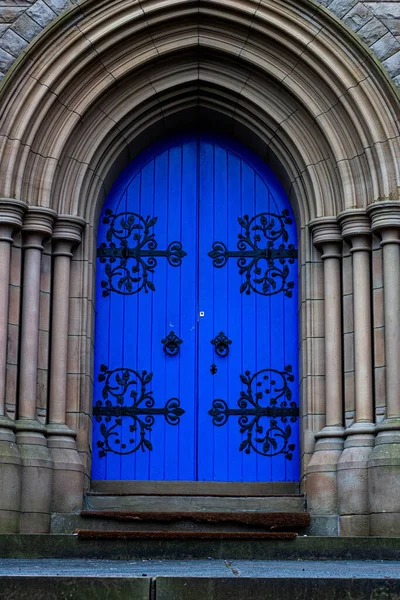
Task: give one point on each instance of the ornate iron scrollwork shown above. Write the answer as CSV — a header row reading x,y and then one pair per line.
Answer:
x,y
221,343
266,438
171,344
272,278
142,411
124,279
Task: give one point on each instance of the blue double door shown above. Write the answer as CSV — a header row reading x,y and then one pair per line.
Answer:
x,y
196,344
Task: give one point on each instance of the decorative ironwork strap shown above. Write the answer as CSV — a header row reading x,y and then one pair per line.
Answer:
x,y
221,343
142,411
143,253
267,438
171,344
273,277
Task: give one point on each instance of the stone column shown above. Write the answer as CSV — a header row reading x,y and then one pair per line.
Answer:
x,y
68,468
353,465
37,471
321,470
384,462
11,214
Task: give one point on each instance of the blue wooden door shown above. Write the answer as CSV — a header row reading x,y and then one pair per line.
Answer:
x,y
196,358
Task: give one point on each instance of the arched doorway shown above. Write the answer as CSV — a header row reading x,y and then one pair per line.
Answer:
x,y
196,360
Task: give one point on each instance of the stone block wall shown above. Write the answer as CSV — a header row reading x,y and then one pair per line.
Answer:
x,y
21,21
376,23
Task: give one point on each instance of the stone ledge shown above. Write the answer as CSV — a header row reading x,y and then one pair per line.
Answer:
x,y
206,588
79,588
198,580
37,546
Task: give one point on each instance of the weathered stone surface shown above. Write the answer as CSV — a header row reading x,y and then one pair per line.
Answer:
x,y
206,588
377,24
80,588
177,579
195,503
10,484
303,548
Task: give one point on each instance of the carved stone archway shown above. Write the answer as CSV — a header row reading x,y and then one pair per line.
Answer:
x,y
92,91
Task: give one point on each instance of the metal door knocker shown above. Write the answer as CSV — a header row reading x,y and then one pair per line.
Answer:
x,y
221,344
171,344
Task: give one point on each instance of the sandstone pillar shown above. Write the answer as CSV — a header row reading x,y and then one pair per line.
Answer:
x,y
384,462
353,464
37,473
68,468
11,214
321,470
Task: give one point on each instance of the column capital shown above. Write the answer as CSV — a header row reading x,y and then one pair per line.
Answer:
x,y
385,220
67,234
11,216
356,228
327,235
69,228
37,226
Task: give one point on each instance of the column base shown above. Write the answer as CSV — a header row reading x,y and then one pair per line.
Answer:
x,y
67,469
37,477
322,473
352,477
10,478
384,480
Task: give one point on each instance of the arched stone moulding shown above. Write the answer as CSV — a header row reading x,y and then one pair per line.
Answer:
x,y
282,76
316,98
375,23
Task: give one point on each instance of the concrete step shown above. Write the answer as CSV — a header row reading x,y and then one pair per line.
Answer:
x,y
221,579
304,548
123,502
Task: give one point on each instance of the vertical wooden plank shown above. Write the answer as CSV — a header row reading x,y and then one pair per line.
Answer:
x,y
173,303
159,316
264,322
101,356
234,386
291,357
115,356
220,303
249,321
206,382
280,308
144,314
188,297
131,359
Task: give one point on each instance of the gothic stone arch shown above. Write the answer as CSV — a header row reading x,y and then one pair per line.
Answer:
x,y
294,85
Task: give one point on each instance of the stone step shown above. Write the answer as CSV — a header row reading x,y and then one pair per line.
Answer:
x,y
312,548
266,520
223,579
146,503
179,522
